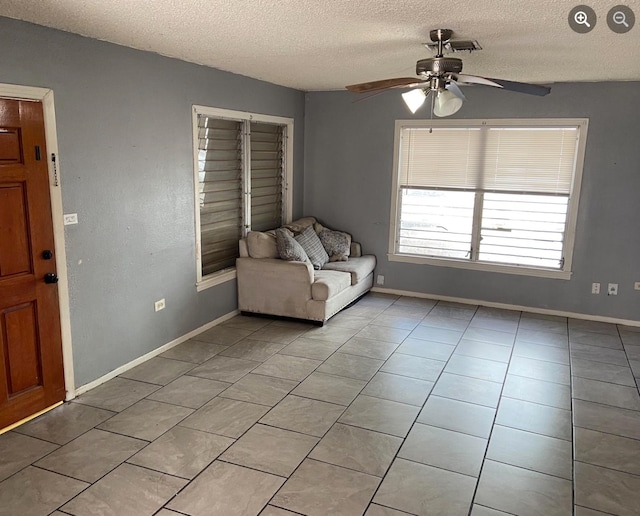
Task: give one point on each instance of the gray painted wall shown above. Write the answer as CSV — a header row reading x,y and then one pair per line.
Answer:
x,y
348,175
124,129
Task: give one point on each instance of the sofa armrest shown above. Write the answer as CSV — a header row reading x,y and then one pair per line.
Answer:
x,y
356,249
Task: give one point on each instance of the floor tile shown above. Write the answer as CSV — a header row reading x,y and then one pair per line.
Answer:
x,y
368,348
633,352
607,419
537,391
396,321
380,415
227,489
476,368
223,335
531,417
227,417
531,451
358,449
609,451
251,349
604,372
477,349
146,419
607,490
158,370
189,391
271,510
256,388
126,490
598,354
182,452
630,338
472,390
424,490
335,334
540,370
606,393
545,338
117,394
543,323
455,310
505,325
458,416
592,326
497,314
194,351
244,322
541,352
447,323
491,336
18,451
333,389
434,334
379,510
479,510
444,449
224,369
383,333
351,366
398,388
414,367
583,511
92,455
311,348
288,367
420,302
426,349
34,491
270,449
524,492
319,489
64,423
595,339
345,320
311,417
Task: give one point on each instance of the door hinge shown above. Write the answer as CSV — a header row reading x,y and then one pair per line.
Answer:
x,y
37,152
55,169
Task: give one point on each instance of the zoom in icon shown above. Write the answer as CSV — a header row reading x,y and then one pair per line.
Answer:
x,y
582,19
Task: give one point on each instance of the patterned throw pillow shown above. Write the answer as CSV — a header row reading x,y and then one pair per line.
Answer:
x,y
337,244
313,247
288,248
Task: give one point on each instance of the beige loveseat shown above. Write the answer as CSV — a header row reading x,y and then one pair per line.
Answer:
x,y
270,285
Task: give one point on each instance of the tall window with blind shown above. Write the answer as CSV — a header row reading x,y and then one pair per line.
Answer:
x,y
242,163
488,194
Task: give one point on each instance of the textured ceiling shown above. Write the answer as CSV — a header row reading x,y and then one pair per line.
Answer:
x,y
326,44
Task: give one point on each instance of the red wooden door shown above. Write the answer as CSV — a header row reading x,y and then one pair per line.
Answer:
x,y
31,369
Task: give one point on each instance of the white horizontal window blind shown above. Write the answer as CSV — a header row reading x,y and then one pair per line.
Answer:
x,y
220,189
486,191
267,173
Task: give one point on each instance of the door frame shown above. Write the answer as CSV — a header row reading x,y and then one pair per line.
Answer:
x,y
45,95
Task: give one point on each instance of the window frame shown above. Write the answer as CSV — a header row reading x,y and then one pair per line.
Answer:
x,y
218,277
565,271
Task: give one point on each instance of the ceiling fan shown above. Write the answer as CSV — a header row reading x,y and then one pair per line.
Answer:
x,y
440,76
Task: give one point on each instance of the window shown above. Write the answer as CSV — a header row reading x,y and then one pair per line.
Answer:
x,y
496,195
242,165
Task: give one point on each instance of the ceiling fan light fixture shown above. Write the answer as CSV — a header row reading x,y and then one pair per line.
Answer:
x,y
414,99
446,103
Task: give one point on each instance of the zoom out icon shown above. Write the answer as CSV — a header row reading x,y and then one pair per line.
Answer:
x,y
621,19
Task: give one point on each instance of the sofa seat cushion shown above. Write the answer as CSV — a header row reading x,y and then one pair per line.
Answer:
x,y
359,267
327,284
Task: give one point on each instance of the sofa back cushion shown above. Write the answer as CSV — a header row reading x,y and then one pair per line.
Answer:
x,y
262,245
288,248
313,247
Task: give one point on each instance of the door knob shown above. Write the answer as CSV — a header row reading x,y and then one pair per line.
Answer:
x,y
47,254
51,277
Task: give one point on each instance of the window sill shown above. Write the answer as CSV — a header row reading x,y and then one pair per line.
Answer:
x,y
215,279
486,267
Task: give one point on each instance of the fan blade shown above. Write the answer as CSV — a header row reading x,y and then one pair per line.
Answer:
x,y
455,89
400,82
474,79
523,87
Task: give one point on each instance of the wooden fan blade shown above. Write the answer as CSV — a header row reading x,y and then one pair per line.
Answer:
x,y
474,79
400,82
523,87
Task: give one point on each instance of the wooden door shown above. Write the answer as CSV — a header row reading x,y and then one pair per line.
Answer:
x,y
31,369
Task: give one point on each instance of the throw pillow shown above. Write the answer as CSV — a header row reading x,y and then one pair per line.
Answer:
x,y
313,247
288,248
262,245
337,244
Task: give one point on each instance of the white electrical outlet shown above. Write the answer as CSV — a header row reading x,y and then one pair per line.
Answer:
x,y
595,288
636,285
380,280
612,289
159,305
70,218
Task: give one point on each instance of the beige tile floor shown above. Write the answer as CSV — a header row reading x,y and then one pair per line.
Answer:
x,y
397,406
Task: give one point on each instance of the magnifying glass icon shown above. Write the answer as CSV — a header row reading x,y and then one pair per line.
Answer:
x,y
619,18
581,18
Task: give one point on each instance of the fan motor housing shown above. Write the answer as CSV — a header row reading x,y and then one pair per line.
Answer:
x,y
438,65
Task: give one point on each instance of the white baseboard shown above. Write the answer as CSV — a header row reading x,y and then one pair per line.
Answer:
x,y
505,306
151,354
